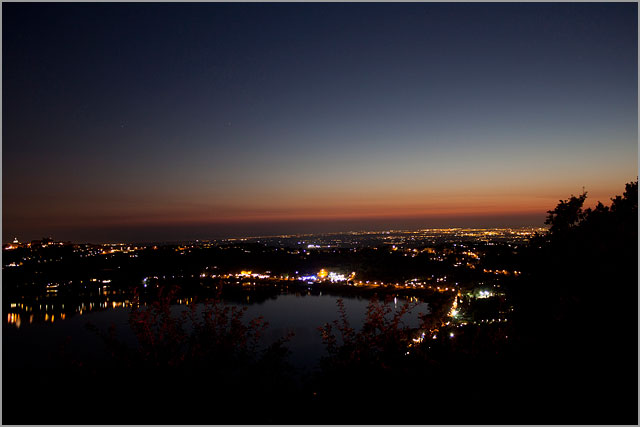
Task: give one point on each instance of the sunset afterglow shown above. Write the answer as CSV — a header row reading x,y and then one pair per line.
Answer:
x,y
394,113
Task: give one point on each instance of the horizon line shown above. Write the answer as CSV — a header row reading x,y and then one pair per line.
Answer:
x,y
271,236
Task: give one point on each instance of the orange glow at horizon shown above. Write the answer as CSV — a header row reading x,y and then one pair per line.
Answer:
x,y
323,208
261,210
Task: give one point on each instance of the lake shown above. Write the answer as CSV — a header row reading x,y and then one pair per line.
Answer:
x,y
35,338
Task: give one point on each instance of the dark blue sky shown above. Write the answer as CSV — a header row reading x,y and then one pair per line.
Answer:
x,y
172,119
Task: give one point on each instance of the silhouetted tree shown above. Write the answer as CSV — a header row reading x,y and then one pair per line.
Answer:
x,y
381,342
567,214
576,310
206,354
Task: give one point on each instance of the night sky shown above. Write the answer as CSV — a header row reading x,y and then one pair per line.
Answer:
x,y
140,122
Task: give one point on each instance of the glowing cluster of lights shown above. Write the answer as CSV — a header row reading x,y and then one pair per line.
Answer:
x,y
324,275
336,277
248,273
453,312
485,294
503,272
14,319
419,339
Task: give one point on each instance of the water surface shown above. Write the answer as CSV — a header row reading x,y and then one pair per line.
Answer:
x,y
40,343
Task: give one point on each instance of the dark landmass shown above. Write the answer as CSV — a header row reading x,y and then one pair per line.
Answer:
x,y
535,327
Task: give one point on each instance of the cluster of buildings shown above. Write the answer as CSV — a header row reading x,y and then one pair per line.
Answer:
x,y
321,276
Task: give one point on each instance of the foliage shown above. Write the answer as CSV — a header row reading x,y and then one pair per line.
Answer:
x,y
585,254
614,221
205,356
381,342
567,214
576,310
210,335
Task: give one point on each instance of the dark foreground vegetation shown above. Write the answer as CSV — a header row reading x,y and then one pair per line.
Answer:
x,y
569,355
577,313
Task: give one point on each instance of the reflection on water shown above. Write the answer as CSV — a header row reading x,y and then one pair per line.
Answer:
x,y
51,311
14,319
